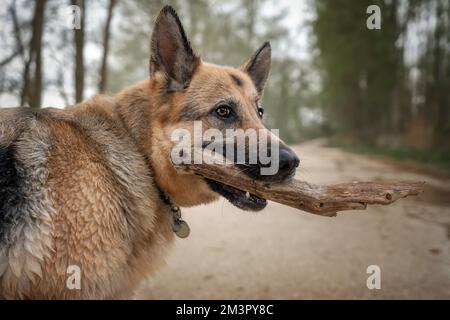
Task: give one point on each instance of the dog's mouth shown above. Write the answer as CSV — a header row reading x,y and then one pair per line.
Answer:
x,y
238,198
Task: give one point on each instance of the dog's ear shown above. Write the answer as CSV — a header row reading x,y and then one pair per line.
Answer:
x,y
258,66
171,52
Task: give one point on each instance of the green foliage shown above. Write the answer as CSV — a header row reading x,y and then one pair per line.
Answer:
x,y
368,88
360,67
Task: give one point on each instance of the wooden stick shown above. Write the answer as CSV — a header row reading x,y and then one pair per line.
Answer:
x,y
316,199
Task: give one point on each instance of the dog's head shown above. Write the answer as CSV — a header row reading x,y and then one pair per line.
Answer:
x,y
187,92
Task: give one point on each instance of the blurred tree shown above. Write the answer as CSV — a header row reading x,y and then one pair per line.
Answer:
x,y
105,45
437,87
32,76
19,50
367,87
79,52
131,49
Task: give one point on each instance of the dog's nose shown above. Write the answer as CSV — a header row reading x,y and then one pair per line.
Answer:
x,y
288,161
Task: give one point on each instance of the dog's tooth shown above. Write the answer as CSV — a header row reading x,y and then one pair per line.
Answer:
x,y
247,195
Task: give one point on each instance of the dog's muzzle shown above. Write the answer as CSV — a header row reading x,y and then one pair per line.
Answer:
x,y
288,162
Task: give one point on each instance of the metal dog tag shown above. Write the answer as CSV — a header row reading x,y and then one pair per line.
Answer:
x,y
181,229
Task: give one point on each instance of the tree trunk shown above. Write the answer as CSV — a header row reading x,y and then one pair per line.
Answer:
x,y
32,88
17,35
252,11
17,32
106,38
435,90
79,53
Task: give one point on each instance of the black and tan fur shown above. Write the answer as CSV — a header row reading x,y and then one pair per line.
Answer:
x,y
80,186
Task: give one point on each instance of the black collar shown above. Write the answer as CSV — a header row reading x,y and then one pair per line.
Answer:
x,y
179,226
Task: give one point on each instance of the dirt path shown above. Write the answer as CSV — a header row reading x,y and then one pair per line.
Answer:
x,y
281,253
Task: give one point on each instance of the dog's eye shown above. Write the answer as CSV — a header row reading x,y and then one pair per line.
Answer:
x,y
261,112
224,111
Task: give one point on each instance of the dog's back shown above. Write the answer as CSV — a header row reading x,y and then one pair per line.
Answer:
x,y
73,187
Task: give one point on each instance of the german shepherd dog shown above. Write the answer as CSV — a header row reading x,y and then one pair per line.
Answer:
x,y
92,185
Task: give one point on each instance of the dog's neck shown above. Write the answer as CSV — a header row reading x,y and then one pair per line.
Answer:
x,y
134,109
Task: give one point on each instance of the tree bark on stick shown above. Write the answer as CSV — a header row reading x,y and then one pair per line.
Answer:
x,y
316,199
106,39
